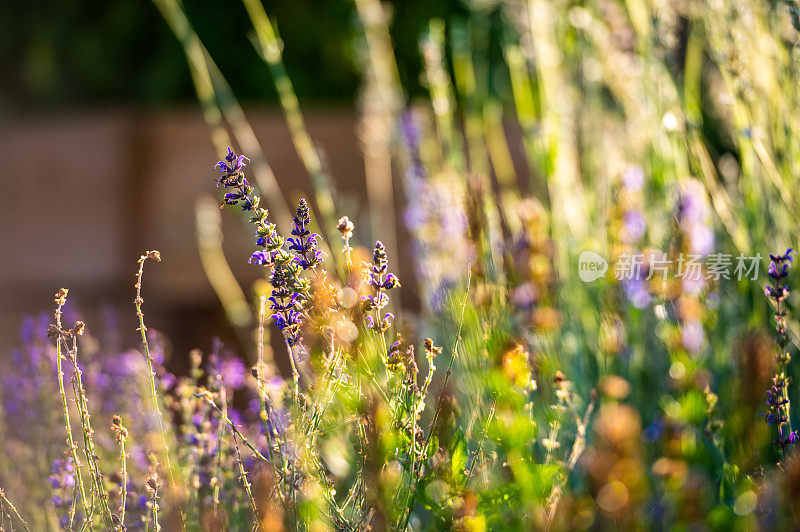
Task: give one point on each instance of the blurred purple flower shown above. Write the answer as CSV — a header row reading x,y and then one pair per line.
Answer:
x,y
633,178
634,226
693,336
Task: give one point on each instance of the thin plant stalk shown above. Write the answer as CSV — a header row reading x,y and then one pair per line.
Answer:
x,y
121,434
152,484
440,400
99,490
269,47
217,99
61,299
218,467
478,450
578,446
218,272
156,256
264,401
381,98
124,495
206,396
223,414
13,509
450,364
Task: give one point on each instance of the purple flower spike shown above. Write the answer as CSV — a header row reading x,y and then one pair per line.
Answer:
x,y
305,242
777,399
381,281
290,291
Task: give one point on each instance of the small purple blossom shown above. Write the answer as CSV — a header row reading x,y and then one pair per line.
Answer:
x,y
693,211
231,165
636,291
783,257
261,258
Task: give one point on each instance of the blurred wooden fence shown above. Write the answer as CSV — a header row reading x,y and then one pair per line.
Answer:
x,y
84,194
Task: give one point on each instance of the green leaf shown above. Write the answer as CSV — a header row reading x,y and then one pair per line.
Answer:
x,y
458,456
433,446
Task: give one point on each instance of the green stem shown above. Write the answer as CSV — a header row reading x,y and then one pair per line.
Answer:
x,y
13,510
155,255
73,449
124,496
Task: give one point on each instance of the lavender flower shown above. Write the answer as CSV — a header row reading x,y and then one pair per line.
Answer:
x,y
778,404
232,164
287,300
290,291
635,227
305,245
633,178
395,359
693,336
381,281
233,178
636,290
634,224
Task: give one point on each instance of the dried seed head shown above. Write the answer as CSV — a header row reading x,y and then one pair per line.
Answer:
x,y
53,331
431,350
204,394
345,227
120,432
61,296
195,358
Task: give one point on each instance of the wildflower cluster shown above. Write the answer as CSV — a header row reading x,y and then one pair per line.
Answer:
x,y
692,211
435,206
62,484
778,404
381,281
290,291
502,183
533,262
633,227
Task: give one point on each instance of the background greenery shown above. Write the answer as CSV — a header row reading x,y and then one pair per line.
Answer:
x,y
72,53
